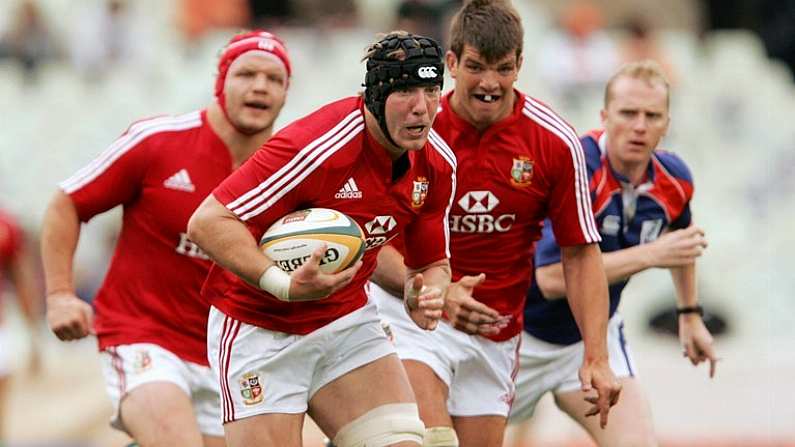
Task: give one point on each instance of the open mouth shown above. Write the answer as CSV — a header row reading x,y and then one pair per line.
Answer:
x,y
257,105
488,99
416,130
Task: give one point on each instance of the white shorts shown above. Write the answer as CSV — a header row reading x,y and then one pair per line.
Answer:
x,y
263,371
5,351
127,367
478,372
544,366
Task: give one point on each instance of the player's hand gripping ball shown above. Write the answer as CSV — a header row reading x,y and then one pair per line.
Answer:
x,y
290,241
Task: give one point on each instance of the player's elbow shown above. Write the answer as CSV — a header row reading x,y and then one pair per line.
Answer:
x,y
551,282
60,207
60,219
198,223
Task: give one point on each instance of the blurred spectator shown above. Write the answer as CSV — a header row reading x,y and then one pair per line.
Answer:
x,y
28,40
107,35
426,17
199,16
728,14
772,20
320,15
328,14
777,29
270,14
580,57
641,43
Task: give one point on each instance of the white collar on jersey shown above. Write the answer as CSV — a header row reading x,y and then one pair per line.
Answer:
x,y
603,143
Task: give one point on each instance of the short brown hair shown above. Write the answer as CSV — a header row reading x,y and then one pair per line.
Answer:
x,y
492,27
645,70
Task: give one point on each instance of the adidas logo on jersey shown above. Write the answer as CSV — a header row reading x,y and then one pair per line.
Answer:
x,y
180,181
349,191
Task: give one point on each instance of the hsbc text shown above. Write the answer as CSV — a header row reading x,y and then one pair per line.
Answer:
x,y
481,223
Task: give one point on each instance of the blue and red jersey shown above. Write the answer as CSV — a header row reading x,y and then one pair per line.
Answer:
x,y
626,216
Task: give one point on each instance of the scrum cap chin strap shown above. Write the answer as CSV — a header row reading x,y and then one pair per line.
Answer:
x,y
422,66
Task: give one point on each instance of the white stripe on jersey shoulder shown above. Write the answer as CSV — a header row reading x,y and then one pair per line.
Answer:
x,y
438,143
549,120
138,132
303,163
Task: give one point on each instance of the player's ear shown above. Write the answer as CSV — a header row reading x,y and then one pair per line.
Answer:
x,y
452,62
519,61
603,116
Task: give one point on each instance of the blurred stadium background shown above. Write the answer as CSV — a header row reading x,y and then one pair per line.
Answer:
x,y
88,68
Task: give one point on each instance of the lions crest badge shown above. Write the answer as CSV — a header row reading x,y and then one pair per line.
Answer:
x,y
142,361
250,389
522,172
420,192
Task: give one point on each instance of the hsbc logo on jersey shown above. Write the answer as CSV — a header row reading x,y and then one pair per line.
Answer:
x,y
380,225
477,206
427,72
377,231
478,201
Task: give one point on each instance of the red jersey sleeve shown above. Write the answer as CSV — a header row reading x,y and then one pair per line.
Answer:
x,y
427,237
270,184
115,176
570,200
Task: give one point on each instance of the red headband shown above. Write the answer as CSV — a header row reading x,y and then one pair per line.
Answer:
x,y
241,43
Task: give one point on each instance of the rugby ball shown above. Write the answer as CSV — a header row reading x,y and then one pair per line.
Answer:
x,y
290,241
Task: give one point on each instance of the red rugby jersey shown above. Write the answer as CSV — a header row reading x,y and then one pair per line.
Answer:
x,y
159,170
323,160
520,170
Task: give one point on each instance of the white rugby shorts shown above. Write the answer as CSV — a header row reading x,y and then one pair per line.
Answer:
x,y
545,366
5,351
127,367
478,372
263,371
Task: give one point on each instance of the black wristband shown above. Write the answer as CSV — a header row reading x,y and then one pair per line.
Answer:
x,y
690,310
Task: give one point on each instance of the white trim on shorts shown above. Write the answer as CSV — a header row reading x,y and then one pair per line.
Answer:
x,y
548,367
262,371
126,367
478,372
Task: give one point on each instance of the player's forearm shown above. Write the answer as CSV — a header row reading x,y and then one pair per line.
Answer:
x,y
22,276
619,265
390,273
227,240
436,275
684,279
587,295
59,235
551,281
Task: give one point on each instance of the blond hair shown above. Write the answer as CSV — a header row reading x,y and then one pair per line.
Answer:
x,y
646,70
